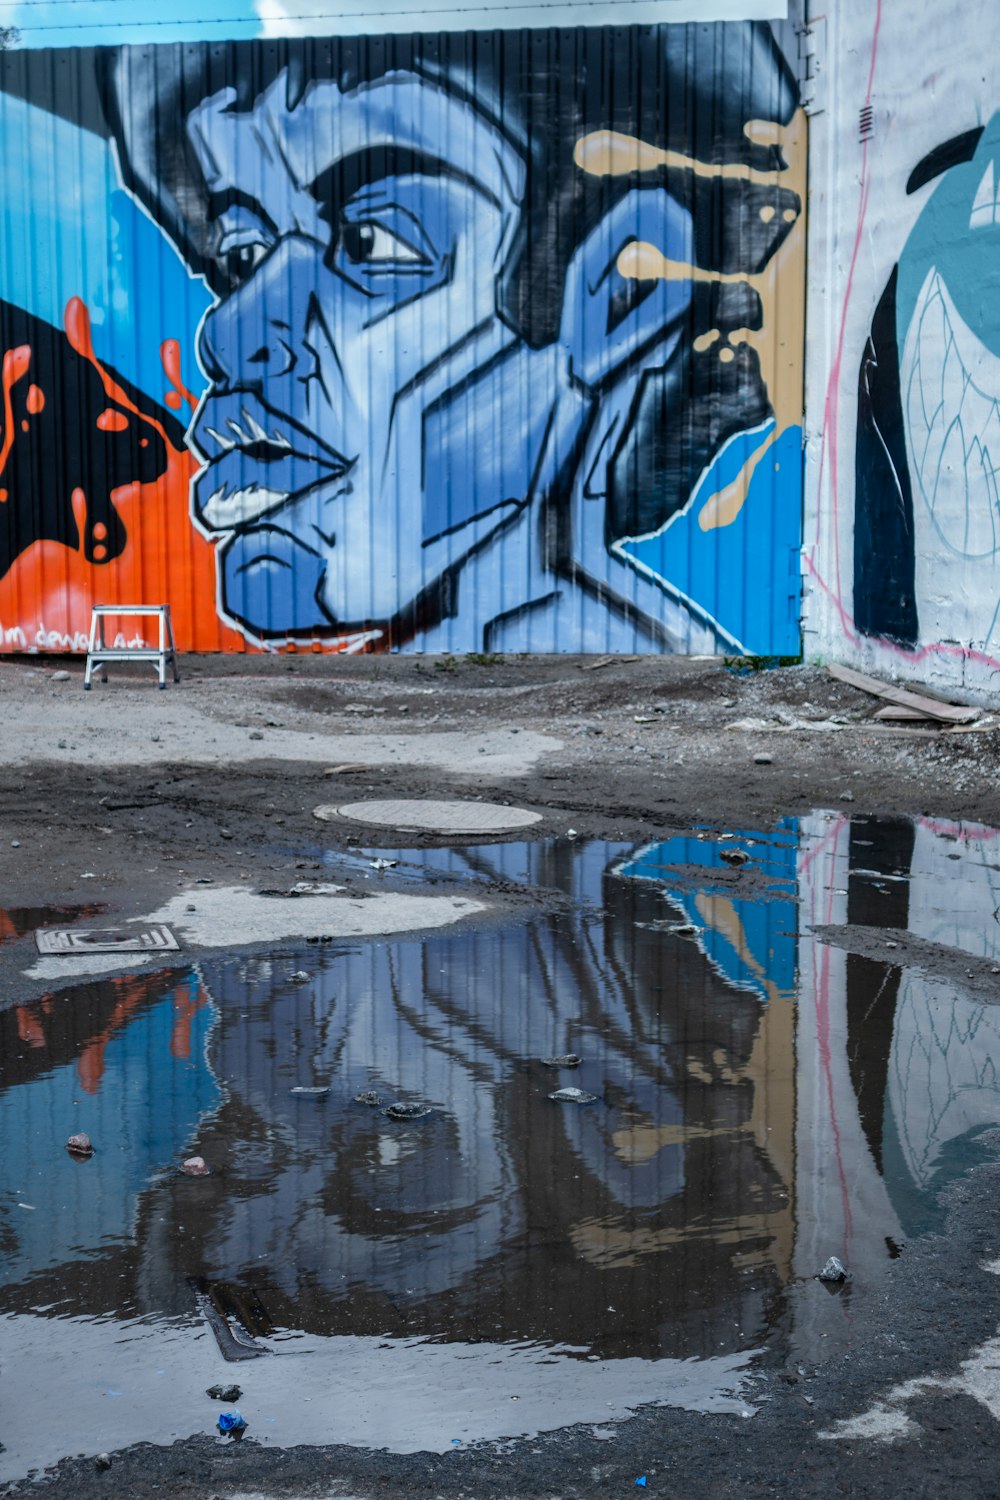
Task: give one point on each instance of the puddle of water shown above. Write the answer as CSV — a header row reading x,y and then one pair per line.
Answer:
x,y
764,1100
21,921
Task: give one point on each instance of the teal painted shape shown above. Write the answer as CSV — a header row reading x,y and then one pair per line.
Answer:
x,y
965,255
61,195
745,576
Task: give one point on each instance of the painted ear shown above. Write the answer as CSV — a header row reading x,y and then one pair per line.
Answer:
x,y
610,319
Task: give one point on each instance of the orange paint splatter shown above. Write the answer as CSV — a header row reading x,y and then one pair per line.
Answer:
x,y
25,424
15,367
112,421
35,400
170,354
166,558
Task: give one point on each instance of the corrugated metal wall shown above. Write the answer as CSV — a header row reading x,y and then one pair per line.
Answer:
x,y
485,341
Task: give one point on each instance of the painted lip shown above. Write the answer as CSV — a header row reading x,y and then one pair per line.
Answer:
x,y
255,461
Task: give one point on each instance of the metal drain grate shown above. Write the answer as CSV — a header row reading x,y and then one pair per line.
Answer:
x,y
106,940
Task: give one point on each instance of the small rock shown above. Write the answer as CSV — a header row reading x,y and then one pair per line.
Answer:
x,y
571,833
224,1392
573,1096
369,1097
734,856
383,864
103,1460
15,843
847,796
563,1060
763,759
195,1166
224,833
64,677
255,734
834,1270
299,977
400,1111
80,1145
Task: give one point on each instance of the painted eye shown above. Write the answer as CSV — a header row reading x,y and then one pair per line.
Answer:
x,y
369,244
243,260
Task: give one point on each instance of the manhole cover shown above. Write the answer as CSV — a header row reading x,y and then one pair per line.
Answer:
x,y
412,815
105,939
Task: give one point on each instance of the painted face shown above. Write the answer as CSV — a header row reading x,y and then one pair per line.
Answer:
x,y
361,233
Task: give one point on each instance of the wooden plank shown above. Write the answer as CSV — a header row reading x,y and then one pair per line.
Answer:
x,y
947,713
899,713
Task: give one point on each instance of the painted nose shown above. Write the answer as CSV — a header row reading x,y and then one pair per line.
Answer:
x,y
255,334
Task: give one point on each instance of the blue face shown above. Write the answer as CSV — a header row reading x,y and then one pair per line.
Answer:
x,y
351,311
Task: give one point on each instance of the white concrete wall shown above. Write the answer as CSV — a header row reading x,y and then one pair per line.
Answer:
x,y
930,73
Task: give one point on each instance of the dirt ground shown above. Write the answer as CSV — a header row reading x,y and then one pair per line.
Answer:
x,y
219,776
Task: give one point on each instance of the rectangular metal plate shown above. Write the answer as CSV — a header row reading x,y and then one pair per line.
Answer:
x,y
106,939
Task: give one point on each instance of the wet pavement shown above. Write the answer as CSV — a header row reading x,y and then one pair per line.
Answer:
x,y
772,1085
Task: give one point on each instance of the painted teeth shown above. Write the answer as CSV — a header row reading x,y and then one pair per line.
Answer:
x,y
280,439
254,428
226,444
237,430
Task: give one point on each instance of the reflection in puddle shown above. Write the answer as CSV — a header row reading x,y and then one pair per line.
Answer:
x,y
764,1100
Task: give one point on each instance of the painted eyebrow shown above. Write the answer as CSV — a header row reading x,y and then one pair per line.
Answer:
x,y
234,197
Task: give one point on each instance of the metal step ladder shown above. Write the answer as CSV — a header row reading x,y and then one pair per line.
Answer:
x,y
99,653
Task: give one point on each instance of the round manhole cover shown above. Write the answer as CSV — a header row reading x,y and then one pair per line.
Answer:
x,y
412,815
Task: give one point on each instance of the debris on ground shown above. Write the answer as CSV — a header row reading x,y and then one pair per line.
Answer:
x,y
763,759
834,1271
195,1166
232,1424
573,1096
918,706
224,1392
80,1145
383,864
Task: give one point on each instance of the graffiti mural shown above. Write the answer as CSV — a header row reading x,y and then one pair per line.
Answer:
x,y
478,341
928,447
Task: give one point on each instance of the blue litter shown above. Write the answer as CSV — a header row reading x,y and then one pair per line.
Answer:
x,y
232,1424
641,1481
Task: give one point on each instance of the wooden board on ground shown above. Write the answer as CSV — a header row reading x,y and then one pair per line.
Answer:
x,y
928,708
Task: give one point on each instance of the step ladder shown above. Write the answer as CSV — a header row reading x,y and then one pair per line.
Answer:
x,y
98,653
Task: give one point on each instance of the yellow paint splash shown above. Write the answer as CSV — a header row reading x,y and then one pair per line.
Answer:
x,y
780,341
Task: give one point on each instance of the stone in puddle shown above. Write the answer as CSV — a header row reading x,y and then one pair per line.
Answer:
x,y
573,1096
564,1060
401,1111
195,1166
80,1145
310,1093
834,1271
369,1097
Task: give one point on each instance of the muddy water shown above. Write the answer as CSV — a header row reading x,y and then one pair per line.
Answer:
x,y
763,1098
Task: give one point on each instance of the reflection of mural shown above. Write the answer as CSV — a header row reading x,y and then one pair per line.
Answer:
x,y
502,347
765,1099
